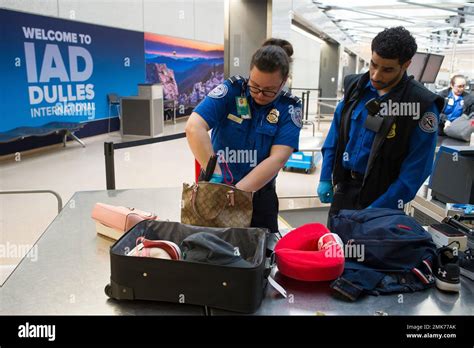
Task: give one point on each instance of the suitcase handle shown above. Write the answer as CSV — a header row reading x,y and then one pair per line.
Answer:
x,y
271,263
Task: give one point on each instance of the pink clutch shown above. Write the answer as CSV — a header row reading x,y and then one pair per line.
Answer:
x,y
113,221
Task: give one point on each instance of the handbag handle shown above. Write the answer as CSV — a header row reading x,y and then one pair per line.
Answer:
x,y
227,170
230,201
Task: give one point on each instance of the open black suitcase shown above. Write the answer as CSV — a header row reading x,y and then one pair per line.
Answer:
x,y
224,287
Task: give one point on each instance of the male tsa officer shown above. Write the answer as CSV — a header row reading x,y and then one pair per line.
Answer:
x,y
457,101
255,128
380,161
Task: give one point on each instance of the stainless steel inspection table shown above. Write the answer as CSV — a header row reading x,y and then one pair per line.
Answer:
x,y
73,266
73,263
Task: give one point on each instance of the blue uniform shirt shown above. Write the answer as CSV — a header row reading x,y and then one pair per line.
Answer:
x,y
246,142
415,168
454,107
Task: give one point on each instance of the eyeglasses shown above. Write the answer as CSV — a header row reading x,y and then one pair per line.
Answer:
x,y
265,92
459,86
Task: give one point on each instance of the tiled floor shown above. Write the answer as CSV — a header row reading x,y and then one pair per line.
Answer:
x,y
66,170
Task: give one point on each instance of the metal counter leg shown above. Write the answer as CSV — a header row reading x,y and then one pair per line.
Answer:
x,y
72,135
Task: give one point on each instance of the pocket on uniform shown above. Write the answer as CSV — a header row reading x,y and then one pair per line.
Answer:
x,y
235,126
267,130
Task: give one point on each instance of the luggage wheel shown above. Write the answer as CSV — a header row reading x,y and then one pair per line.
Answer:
x,y
108,290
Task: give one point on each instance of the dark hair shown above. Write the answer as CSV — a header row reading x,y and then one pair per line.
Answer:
x,y
395,43
286,45
453,79
275,54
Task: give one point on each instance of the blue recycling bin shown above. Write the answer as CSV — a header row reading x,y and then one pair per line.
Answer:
x,y
301,160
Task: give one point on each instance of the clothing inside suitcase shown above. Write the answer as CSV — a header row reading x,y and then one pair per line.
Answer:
x,y
239,289
251,245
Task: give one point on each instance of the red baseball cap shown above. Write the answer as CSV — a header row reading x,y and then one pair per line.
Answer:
x,y
298,257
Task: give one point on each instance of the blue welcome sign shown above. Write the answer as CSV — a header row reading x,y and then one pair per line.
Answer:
x,y
59,70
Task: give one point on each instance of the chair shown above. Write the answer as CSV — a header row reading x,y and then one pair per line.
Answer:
x,y
113,99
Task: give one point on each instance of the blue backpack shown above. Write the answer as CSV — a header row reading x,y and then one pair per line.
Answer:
x,y
386,252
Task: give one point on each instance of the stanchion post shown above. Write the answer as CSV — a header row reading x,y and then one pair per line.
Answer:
x,y
307,105
109,165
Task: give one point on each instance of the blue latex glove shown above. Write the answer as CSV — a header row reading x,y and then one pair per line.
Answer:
x,y
467,208
217,178
325,191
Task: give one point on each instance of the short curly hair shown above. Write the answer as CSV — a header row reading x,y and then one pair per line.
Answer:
x,y
395,43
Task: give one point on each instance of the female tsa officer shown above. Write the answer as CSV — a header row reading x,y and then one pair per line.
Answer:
x,y
255,128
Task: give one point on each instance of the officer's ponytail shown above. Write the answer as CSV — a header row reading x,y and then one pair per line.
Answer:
x,y
275,54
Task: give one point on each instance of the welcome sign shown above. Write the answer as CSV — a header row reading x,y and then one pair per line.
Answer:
x,y
72,83
60,70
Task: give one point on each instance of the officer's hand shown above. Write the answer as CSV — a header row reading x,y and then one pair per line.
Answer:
x,y
217,178
325,191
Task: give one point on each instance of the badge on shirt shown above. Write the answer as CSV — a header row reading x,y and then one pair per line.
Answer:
x,y
234,118
273,115
429,122
218,92
296,116
392,132
451,101
461,102
242,107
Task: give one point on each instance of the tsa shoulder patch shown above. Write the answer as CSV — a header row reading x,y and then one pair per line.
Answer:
x,y
218,92
296,116
428,122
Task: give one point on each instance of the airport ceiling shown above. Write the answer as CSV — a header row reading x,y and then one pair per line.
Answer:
x,y
438,26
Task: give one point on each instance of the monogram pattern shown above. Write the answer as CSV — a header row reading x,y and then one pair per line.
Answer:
x,y
215,205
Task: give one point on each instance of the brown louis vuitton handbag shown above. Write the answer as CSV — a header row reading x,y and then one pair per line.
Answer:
x,y
215,205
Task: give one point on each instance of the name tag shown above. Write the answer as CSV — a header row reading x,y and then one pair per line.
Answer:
x,y
234,118
242,107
